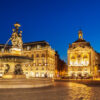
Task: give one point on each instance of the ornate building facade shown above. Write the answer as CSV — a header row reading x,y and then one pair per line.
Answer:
x,y
43,59
43,64
83,60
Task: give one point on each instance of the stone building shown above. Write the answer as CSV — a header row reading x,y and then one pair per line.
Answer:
x,y
43,59
43,56
83,60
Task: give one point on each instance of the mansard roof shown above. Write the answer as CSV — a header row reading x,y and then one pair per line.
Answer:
x,y
36,42
33,44
43,43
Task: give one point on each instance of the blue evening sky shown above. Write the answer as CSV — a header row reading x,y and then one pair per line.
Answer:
x,y
56,21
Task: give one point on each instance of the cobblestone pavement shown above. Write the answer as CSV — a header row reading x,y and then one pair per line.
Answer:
x,y
60,91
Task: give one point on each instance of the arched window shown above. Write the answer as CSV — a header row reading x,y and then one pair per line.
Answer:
x,y
85,56
37,55
79,56
72,57
43,55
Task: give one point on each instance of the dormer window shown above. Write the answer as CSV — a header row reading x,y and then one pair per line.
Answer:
x,y
28,47
2,50
38,46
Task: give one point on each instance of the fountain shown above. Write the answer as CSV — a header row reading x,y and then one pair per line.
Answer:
x,y
15,57
13,75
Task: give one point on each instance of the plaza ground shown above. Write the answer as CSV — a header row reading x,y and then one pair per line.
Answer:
x,y
88,82
59,91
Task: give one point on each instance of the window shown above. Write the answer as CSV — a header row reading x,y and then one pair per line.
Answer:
x,y
85,60
43,55
34,64
42,75
37,55
36,68
79,56
42,68
2,50
72,57
39,64
36,74
85,57
28,47
38,46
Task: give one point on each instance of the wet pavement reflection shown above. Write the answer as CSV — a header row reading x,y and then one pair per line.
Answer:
x,y
60,91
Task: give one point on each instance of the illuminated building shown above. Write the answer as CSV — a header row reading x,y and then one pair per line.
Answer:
x,y
43,59
43,63
83,61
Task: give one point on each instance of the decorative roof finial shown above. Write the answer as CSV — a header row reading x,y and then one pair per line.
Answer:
x,y
80,34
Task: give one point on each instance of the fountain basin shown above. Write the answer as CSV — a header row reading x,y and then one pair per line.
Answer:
x,y
13,58
25,83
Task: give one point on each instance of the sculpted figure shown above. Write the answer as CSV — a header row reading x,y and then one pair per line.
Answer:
x,y
16,37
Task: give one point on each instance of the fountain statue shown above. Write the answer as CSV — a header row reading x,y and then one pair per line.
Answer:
x,y
15,60
16,39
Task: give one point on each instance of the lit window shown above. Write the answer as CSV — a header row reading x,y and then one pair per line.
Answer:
x,y
39,64
32,73
38,46
36,74
28,48
2,50
42,75
34,64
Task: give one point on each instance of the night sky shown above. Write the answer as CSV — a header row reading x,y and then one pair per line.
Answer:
x,y
55,21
